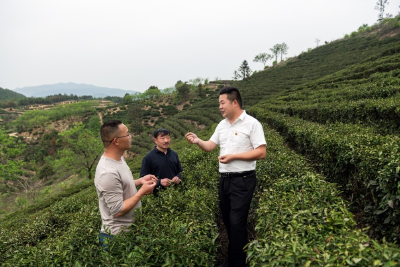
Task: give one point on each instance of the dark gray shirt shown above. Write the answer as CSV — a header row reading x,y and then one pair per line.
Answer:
x,y
114,183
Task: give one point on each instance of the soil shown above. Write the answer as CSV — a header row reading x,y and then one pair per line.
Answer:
x,y
223,241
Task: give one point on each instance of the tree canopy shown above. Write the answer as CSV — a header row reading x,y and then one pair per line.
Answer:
x,y
243,72
10,164
262,57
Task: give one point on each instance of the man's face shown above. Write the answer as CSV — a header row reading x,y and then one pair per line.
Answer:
x,y
124,138
225,106
163,141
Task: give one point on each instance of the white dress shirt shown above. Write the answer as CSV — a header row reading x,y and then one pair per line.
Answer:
x,y
244,135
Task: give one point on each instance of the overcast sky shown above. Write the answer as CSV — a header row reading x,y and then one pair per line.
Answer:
x,y
132,45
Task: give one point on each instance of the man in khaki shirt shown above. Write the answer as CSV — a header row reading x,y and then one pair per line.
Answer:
x,y
116,188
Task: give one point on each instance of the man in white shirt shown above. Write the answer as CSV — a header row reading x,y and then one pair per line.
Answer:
x,y
242,142
115,186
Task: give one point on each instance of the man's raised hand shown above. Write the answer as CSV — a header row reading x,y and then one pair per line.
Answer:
x,y
192,138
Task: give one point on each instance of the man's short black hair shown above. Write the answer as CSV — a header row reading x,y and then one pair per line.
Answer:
x,y
109,130
232,94
161,132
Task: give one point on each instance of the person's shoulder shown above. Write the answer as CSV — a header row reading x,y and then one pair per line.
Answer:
x,y
151,152
174,152
104,172
223,123
250,118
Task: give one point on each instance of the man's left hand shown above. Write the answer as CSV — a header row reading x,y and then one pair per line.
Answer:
x,y
147,178
176,180
226,158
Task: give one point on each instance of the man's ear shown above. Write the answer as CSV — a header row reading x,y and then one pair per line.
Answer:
x,y
235,103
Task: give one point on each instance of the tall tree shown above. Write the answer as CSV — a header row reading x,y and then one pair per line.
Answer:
x,y
380,6
200,91
243,72
133,116
127,99
153,92
182,88
82,150
263,58
283,49
10,164
275,50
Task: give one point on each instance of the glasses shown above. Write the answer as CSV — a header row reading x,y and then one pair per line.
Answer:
x,y
129,134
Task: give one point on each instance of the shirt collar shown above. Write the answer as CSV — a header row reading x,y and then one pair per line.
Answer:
x,y
241,117
159,151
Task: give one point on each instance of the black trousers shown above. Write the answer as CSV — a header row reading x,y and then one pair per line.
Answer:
x,y
235,194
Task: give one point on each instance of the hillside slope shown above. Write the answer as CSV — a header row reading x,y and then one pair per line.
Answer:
x,y
331,123
6,94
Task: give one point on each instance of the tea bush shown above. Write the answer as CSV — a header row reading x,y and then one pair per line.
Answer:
x,y
364,164
302,220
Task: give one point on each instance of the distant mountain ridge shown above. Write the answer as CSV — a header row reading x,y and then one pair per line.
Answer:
x,y
71,88
6,94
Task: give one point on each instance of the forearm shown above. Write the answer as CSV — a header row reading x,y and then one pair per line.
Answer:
x,y
129,203
138,182
255,154
206,145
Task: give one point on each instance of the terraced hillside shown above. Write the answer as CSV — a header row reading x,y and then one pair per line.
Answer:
x,y
331,120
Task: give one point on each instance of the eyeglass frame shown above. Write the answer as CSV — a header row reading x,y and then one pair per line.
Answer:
x,y
129,134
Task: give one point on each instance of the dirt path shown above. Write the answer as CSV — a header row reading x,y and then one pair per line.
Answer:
x,y
100,117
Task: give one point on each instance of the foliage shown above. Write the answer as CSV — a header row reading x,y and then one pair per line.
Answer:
x,y
48,100
243,72
37,118
380,6
302,220
301,216
183,89
177,228
263,58
94,124
46,146
7,94
275,51
11,165
283,49
363,163
81,151
200,91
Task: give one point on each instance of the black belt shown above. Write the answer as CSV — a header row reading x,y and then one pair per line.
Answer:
x,y
235,174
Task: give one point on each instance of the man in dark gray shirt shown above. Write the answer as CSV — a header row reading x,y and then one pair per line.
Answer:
x,y
115,186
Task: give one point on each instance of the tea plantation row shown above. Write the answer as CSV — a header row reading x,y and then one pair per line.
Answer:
x,y
176,229
302,219
362,162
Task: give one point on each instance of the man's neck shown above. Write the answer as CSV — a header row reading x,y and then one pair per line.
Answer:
x,y
113,155
236,115
164,150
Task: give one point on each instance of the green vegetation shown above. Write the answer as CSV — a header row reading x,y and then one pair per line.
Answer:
x,y
177,227
81,151
10,150
18,100
328,191
7,94
41,117
243,72
302,219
